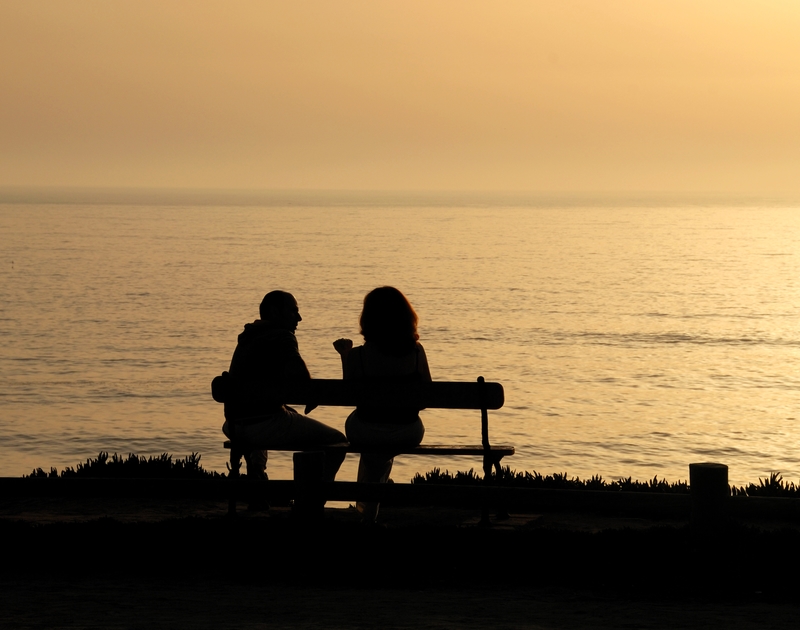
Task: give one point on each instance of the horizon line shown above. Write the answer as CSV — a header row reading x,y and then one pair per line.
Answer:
x,y
271,197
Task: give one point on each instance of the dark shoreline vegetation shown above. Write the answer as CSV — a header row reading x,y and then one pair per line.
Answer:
x,y
621,555
165,467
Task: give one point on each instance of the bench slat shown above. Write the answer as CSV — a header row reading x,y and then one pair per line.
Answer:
x,y
338,393
456,449
425,449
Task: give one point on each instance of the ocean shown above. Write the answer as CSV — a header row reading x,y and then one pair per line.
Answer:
x,y
631,338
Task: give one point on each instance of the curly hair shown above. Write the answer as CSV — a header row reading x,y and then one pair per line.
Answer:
x,y
388,320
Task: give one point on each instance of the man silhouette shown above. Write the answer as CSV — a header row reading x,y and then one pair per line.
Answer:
x,y
266,352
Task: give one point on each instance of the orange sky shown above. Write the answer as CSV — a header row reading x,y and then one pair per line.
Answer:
x,y
537,96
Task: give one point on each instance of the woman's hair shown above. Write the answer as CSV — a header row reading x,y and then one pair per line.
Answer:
x,y
389,321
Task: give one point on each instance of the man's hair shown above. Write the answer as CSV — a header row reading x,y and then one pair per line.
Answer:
x,y
272,301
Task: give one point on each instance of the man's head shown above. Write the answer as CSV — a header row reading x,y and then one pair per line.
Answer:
x,y
280,309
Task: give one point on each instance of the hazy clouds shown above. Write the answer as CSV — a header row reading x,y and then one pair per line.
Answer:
x,y
402,95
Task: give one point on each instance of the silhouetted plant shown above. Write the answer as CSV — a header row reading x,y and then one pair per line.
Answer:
x,y
163,466
772,486
557,481
134,466
38,472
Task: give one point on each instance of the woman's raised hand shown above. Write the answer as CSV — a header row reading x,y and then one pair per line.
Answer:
x,y
343,346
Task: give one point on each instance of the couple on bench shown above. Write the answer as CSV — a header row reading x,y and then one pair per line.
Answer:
x,y
267,351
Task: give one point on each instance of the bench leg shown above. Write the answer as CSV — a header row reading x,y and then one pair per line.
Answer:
x,y
502,510
233,479
489,462
309,467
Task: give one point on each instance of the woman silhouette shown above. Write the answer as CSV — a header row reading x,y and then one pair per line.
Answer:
x,y
391,352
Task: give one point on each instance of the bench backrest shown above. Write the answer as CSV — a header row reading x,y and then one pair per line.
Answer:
x,y
339,393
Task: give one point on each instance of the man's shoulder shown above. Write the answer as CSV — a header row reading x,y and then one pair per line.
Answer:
x,y
277,339
260,333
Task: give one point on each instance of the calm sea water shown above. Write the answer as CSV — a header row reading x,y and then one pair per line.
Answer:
x,y
631,341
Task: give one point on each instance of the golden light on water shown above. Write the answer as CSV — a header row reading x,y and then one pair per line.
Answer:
x,y
630,341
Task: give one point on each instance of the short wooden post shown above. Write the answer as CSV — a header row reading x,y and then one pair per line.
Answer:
x,y
708,483
309,504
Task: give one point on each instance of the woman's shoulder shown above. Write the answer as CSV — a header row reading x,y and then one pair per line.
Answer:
x,y
357,353
353,367
373,350
422,363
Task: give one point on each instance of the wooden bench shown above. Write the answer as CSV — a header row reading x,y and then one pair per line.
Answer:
x,y
478,395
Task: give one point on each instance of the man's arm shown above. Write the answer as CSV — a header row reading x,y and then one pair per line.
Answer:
x,y
286,359
295,368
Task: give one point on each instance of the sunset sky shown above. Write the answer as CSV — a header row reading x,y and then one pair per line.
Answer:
x,y
445,95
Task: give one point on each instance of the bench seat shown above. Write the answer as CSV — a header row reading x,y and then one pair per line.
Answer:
x,y
423,449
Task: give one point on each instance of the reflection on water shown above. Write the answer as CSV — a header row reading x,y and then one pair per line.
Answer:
x,y
631,341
